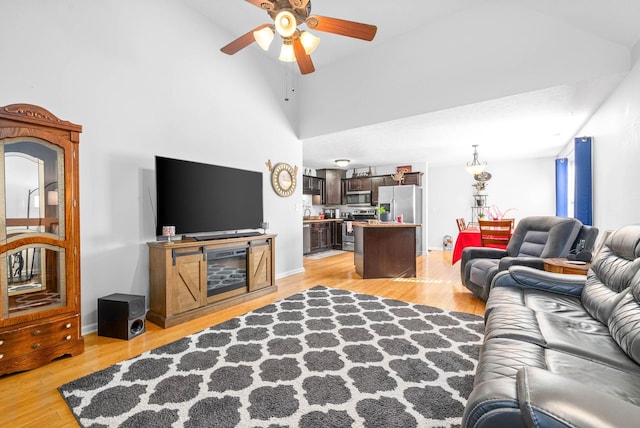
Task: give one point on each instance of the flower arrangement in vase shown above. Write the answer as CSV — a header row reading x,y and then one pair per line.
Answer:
x,y
496,214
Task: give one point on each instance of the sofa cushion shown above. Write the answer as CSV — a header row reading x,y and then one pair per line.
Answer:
x,y
581,336
550,400
624,323
589,340
502,358
514,322
624,384
612,272
537,300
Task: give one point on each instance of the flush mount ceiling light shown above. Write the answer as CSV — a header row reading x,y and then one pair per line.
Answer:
x,y
475,167
287,15
342,162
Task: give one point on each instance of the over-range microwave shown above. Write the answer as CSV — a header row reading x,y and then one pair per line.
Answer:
x,y
359,198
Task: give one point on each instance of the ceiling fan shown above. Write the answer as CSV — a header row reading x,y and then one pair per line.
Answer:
x,y
297,44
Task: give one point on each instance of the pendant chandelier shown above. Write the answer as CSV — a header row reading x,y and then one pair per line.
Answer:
x,y
475,167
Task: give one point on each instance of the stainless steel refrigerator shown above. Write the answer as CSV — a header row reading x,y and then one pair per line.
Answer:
x,y
405,201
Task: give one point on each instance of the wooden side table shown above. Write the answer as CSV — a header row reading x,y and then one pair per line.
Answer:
x,y
560,265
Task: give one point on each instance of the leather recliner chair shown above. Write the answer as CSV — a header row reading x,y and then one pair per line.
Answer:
x,y
534,239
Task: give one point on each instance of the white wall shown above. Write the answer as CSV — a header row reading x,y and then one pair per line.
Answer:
x,y
527,186
145,78
616,152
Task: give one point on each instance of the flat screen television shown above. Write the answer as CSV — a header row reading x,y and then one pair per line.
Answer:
x,y
200,198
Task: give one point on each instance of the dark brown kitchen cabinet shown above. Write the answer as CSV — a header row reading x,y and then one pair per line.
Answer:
x,y
386,180
320,236
332,185
336,232
376,182
312,185
307,185
413,178
358,183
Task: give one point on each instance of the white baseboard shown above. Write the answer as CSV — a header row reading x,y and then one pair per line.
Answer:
x,y
289,273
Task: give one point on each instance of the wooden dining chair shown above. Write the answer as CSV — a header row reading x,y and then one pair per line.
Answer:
x,y
495,232
461,224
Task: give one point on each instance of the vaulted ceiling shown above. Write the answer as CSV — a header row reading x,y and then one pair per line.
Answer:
x,y
517,77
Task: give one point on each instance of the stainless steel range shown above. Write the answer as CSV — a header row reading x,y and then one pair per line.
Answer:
x,y
348,238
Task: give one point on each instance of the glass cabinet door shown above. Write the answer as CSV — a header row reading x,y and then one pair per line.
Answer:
x,y
32,226
34,280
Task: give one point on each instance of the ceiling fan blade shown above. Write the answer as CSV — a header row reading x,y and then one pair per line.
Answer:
x,y
341,27
304,61
242,41
262,4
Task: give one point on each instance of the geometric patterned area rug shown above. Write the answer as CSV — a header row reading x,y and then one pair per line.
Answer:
x,y
321,358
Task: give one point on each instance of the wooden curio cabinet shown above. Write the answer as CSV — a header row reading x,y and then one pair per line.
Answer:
x,y
39,238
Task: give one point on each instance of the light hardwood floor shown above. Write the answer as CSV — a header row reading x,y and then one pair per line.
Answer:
x,y
31,399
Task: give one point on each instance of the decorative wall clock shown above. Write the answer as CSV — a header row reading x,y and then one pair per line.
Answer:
x,y
283,178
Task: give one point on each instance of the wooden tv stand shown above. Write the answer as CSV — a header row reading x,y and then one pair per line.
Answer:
x,y
185,281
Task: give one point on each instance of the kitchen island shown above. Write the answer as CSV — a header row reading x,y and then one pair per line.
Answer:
x,y
385,250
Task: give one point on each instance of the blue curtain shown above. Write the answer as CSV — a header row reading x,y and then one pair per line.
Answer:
x,y
562,187
584,184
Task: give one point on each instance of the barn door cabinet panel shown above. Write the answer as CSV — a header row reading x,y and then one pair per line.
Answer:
x,y
260,264
188,276
39,238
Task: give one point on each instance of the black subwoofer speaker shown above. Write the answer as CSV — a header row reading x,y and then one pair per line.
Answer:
x,y
121,316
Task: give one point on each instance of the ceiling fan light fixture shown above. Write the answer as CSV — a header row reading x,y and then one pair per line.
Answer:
x,y
264,37
309,42
286,23
286,53
342,162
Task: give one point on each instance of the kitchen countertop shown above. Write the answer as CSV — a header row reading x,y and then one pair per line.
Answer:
x,y
326,220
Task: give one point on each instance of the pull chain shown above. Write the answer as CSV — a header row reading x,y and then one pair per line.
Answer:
x,y
286,83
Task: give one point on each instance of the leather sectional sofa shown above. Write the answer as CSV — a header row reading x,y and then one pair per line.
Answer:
x,y
563,350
